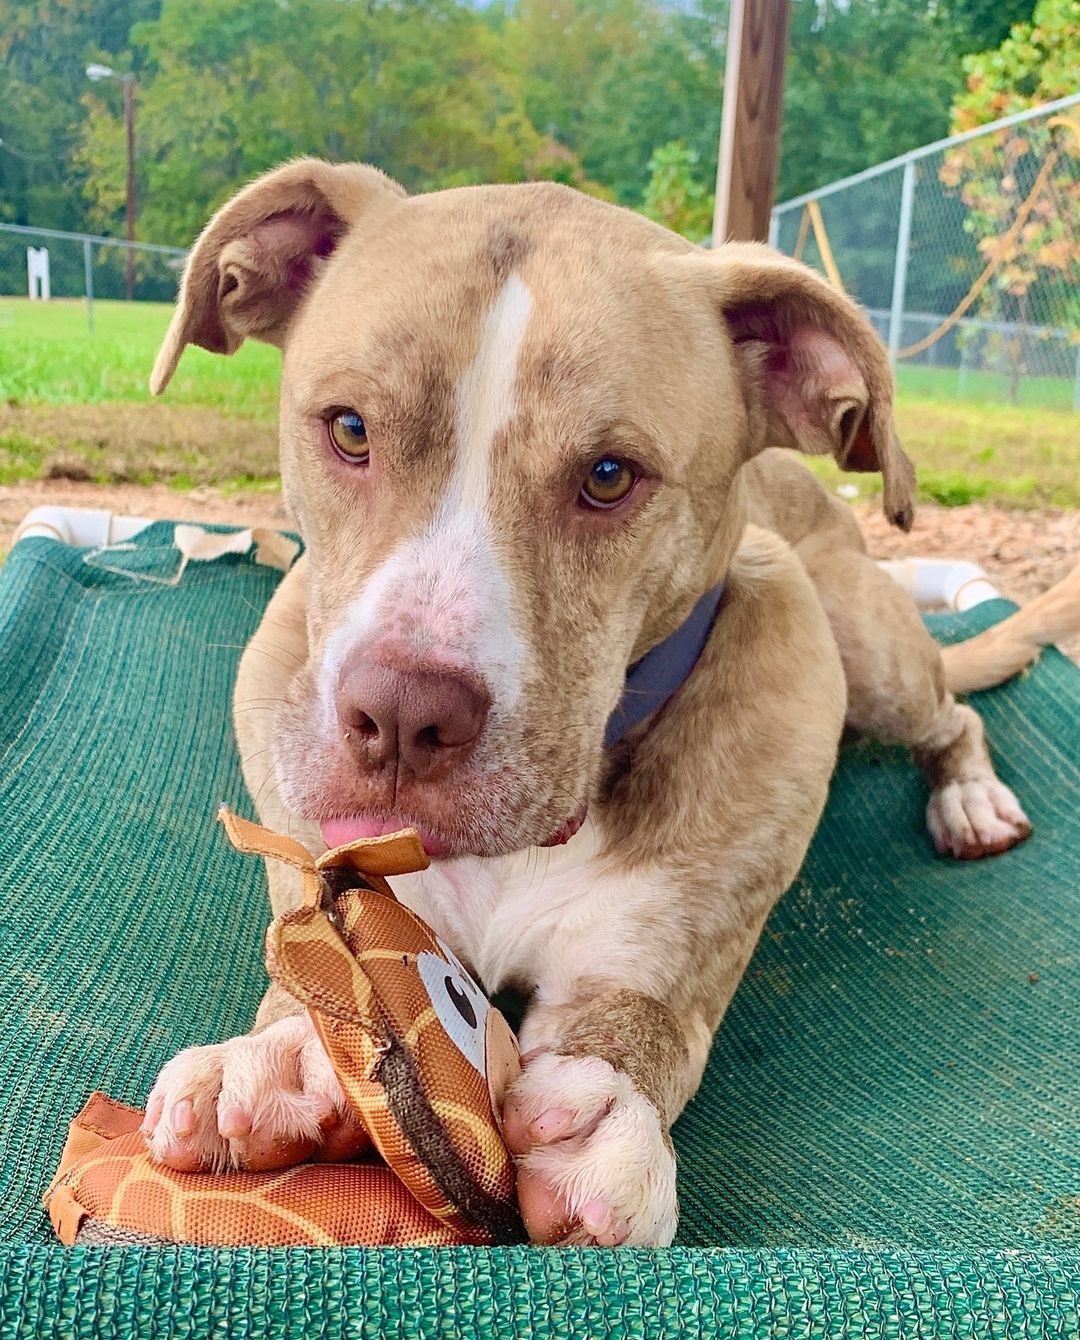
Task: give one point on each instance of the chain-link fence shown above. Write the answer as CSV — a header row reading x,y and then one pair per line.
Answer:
x,y
966,254
81,266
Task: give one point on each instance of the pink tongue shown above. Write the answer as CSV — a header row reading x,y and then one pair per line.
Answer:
x,y
336,832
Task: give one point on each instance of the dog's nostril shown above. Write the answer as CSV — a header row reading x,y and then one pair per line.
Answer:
x,y
365,727
429,737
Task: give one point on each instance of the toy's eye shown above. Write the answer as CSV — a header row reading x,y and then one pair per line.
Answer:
x,y
349,436
460,1004
459,999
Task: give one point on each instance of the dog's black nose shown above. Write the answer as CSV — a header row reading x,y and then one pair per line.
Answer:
x,y
415,719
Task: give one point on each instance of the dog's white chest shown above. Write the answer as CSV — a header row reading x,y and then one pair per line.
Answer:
x,y
505,914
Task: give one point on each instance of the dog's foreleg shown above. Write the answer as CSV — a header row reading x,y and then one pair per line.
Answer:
x,y
267,1098
632,977
589,1119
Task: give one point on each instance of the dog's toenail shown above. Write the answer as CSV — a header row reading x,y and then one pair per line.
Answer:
x,y
234,1122
595,1216
183,1121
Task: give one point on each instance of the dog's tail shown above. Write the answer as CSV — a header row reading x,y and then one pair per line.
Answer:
x,y
1004,650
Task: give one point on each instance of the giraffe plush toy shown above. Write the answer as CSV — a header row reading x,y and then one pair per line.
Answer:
x,y
422,1057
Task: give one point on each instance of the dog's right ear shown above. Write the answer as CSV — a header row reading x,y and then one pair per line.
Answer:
x,y
812,370
255,259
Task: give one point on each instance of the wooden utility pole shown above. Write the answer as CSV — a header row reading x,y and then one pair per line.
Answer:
x,y
750,128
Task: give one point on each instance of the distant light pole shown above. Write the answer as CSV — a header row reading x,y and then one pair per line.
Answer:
x,y
97,73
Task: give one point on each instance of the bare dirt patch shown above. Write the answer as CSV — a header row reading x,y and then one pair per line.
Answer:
x,y
134,443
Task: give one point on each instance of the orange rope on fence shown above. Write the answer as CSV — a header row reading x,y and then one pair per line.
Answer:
x,y
1069,122
812,217
1006,241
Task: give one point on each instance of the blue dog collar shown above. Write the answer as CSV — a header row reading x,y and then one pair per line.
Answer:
x,y
662,671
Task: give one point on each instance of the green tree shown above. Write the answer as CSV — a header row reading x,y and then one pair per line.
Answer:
x,y
235,86
1032,171
866,81
441,92
982,24
675,196
44,50
612,79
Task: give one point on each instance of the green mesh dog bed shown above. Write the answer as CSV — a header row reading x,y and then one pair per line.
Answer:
x,y
887,1141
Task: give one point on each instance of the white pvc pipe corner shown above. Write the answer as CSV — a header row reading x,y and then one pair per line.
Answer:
x,y
81,526
954,583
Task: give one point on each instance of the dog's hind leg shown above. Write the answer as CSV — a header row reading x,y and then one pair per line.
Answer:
x,y
897,693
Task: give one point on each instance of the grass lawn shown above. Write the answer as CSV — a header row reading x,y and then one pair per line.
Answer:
x,y
75,405
928,383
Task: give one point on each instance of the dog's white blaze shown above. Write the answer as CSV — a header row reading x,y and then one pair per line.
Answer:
x,y
453,568
484,403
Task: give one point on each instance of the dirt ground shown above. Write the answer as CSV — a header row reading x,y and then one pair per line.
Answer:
x,y
1025,552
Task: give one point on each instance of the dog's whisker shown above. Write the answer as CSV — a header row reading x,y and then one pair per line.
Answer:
x,y
266,781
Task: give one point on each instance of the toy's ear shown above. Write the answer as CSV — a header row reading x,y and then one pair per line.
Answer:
x,y
256,258
815,375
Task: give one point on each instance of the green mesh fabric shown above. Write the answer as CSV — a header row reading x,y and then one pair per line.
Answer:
x,y
887,1140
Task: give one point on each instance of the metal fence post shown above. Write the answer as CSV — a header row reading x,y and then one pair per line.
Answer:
x,y
88,280
903,248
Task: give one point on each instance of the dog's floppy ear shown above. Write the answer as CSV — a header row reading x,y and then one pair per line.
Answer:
x,y
812,366
254,260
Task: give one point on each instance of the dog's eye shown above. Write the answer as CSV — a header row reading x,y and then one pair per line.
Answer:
x,y
608,482
349,436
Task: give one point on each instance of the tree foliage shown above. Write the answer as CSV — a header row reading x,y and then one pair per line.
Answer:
x,y
1021,188
674,196
621,97
45,46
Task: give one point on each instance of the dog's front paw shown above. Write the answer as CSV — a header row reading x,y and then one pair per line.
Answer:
x,y
595,1162
264,1100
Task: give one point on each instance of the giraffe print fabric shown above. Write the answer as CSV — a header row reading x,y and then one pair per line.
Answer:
x,y
421,1055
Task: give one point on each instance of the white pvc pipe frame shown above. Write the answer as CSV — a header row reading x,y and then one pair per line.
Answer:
x,y
954,583
80,526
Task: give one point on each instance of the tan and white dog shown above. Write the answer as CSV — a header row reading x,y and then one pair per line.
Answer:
x,y
523,433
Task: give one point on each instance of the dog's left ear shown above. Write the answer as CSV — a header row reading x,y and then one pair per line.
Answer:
x,y
815,374
255,261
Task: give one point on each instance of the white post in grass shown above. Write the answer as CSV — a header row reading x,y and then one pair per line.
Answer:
x,y
37,273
